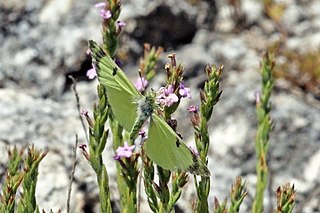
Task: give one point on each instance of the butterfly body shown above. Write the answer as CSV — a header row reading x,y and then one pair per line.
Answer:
x,y
144,111
163,146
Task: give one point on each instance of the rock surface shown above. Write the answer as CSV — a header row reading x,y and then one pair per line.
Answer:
x,y
44,41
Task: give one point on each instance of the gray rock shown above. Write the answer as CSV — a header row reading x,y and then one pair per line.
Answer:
x,y
43,46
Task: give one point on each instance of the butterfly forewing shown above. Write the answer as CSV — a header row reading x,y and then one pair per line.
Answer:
x,y
162,147
120,91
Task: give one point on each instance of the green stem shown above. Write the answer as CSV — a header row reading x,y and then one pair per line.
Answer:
x,y
209,97
263,108
98,139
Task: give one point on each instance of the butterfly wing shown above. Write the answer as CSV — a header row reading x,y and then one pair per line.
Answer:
x,y
121,93
166,149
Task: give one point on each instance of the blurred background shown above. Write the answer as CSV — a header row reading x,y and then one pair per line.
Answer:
x,y
44,41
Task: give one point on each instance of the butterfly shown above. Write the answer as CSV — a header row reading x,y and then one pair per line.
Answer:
x,y
131,109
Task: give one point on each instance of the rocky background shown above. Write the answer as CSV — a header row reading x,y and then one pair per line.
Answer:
x,y
44,41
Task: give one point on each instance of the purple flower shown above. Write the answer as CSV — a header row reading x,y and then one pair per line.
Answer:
x,y
193,109
167,97
169,90
184,91
125,151
171,99
91,73
141,84
121,24
105,14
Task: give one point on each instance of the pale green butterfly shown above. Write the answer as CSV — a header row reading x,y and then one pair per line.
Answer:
x,y
131,109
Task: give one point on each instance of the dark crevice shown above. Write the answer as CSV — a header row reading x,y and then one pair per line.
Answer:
x,y
163,28
79,75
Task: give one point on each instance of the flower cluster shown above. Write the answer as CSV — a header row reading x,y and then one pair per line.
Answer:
x,y
167,96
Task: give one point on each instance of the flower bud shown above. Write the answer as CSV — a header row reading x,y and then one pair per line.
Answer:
x,y
172,56
83,148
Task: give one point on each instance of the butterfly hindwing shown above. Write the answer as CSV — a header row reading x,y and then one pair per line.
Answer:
x,y
165,148
120,91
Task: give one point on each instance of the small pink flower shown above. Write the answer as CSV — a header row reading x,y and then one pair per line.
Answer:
x,y
92,73
125,151
167,97
193,109
169,90
121,24
184,91
171,99
105,14
141,84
